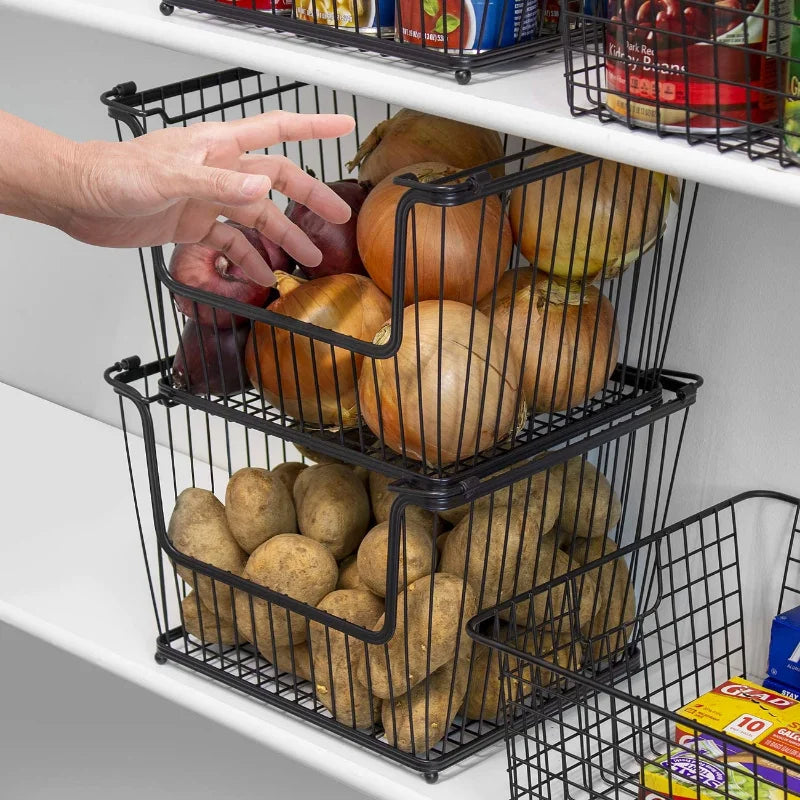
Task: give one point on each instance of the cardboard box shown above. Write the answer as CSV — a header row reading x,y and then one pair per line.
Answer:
x,y
741,710
781,688
784,649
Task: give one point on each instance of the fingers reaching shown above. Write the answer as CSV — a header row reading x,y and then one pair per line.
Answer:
x,y
297,184
265,217
234,244
220,186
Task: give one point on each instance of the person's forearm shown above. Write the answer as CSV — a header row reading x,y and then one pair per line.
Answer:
x,y
38,169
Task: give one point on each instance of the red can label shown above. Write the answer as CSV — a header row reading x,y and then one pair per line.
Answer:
x,y
673,61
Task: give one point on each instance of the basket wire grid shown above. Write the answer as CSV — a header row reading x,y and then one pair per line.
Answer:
x,y
499,33
638,455
733,82
697,624
642,302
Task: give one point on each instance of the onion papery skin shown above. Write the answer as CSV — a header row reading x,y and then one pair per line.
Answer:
x,y
447,387
346,303
606,215
569,342
477,242
411,137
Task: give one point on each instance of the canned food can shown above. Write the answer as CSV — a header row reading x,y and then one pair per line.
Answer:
x,y
372,15
467,26
791,123
711,83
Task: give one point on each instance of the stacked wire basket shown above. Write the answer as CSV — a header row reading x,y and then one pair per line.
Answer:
x,y
530,505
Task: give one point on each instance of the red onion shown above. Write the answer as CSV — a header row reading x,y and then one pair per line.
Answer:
x,y
337,242
212,271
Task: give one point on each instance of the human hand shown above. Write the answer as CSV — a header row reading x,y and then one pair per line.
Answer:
x,y
172,185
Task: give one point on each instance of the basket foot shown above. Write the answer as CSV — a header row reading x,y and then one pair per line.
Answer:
x,y
166,9
463,76
160,658
431,777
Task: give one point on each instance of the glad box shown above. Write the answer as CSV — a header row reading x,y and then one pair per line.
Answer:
x,y
706,766
784,648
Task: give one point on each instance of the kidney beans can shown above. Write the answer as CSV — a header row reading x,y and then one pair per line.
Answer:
x,y
711,83
372,15
467,26
792,107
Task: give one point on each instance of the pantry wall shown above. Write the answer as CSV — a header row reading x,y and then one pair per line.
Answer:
x,y
67,310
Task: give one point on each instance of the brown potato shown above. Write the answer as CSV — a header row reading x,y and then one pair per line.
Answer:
x,y
295,566
292,660
332,507
317,458
486,550
551,607
417,721
204,624
615,606
348,575
288,473
382,498
416,557
590,506
199,529
484,700
542,493
429,648
335,655
258,506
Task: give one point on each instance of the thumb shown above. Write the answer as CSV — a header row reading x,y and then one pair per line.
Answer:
x,y
214,185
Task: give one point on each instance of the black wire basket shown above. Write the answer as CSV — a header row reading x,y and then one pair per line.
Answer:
x,y
442,393
693,619
453,35
725,72
397,674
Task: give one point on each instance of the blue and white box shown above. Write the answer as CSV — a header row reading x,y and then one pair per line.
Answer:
x,y
784,649
781,688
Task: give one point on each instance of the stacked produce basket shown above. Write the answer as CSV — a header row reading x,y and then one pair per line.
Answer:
x,y
483,397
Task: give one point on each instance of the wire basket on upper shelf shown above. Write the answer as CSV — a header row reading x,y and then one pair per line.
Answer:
x,y
454,35
358,624
693,611
497,308
725,72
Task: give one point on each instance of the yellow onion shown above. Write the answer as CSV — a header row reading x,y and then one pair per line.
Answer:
x,y
604,213
449,386
476,249
348,304
410,137
572,340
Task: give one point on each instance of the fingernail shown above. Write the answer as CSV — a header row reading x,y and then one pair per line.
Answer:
x,y
254,185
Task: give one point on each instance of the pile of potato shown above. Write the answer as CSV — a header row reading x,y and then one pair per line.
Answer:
x,y
320,534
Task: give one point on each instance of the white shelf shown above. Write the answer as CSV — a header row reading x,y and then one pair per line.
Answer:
x,y
526,102
71,574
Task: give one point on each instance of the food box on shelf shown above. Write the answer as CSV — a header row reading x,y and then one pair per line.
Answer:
x,y
784,649
706,766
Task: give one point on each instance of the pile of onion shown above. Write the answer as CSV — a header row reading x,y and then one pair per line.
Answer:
x,y
315,381
410,137
603,214
473,240
450,392
568,338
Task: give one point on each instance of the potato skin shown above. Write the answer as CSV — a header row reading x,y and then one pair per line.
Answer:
x,y
293,565
205,629
616,601
448,614
332,507
258,506
199,528
288,472
372,559
590,507
484,699
348,575
381,499
417,721
335,655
